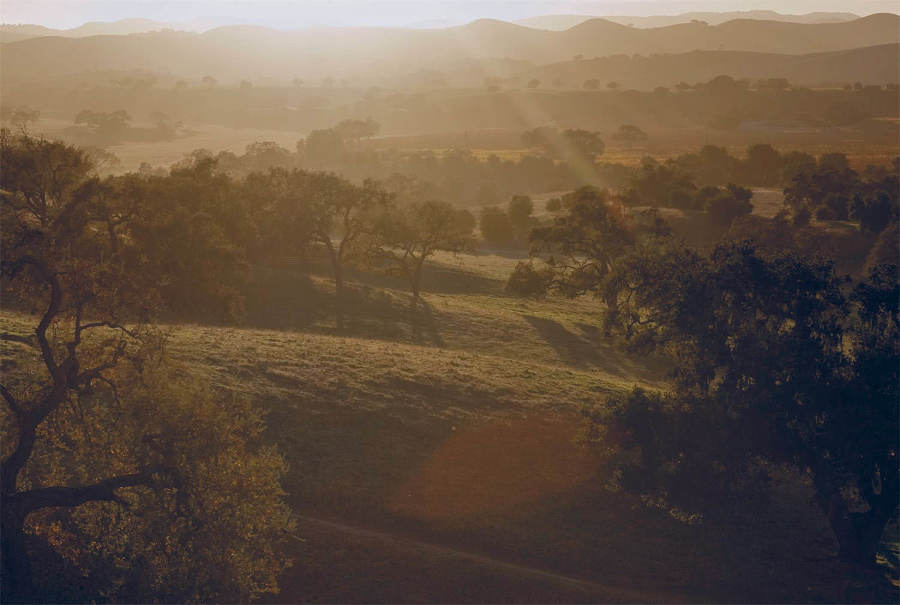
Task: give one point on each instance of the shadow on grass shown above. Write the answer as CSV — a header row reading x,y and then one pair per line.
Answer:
x,y
424,326
592,349
571,349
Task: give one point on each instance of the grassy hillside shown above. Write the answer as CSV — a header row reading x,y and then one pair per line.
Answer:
x,y
440,456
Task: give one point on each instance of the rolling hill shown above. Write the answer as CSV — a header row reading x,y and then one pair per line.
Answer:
x,y
872,65
123,27
449,466
561,22
244,52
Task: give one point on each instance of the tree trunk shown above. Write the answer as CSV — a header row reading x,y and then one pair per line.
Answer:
x,y
16,567
338,272
339,296
859,534
415,283
611,318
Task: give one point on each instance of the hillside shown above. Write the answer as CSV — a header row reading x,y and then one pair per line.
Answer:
x,y
123,27
561,22
440,459
370,54
872,65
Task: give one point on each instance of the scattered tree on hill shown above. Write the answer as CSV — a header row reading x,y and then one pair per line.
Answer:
x,y
166,126
265,155
591,84
321,148
762,166
300,208
337,208
355,130
794,163
581,247
773,84
528,282
108,126
725,205
520,219
571,144
410,235
495,226
660,185
583,142
630,134
538,137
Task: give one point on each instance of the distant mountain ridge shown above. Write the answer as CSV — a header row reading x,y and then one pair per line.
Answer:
x,y
253,52
871,65
12,33
562,22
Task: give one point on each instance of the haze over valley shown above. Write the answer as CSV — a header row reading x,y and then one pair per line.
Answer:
x,y
449,302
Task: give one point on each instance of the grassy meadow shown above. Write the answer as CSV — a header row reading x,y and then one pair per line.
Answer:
x,y
440,455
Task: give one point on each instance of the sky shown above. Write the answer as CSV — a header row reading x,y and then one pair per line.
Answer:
x,y
304,13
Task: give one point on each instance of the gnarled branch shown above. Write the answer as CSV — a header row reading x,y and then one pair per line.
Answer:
x,y
25,340
74,496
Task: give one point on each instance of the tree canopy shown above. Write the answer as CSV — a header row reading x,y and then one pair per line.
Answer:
x,y
109,453
777,363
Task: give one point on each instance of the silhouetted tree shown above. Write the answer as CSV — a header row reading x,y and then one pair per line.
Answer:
x,y
775,366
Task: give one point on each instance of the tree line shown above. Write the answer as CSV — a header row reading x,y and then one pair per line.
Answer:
x,y
825,187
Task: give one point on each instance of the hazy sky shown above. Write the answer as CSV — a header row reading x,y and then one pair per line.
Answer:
x,y
300,13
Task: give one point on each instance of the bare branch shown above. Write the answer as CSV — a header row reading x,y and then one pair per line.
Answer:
x,y
110,325
89,375
25,340
10,401
73,496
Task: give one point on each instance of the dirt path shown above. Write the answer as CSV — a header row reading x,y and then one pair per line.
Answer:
x,y
570,589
